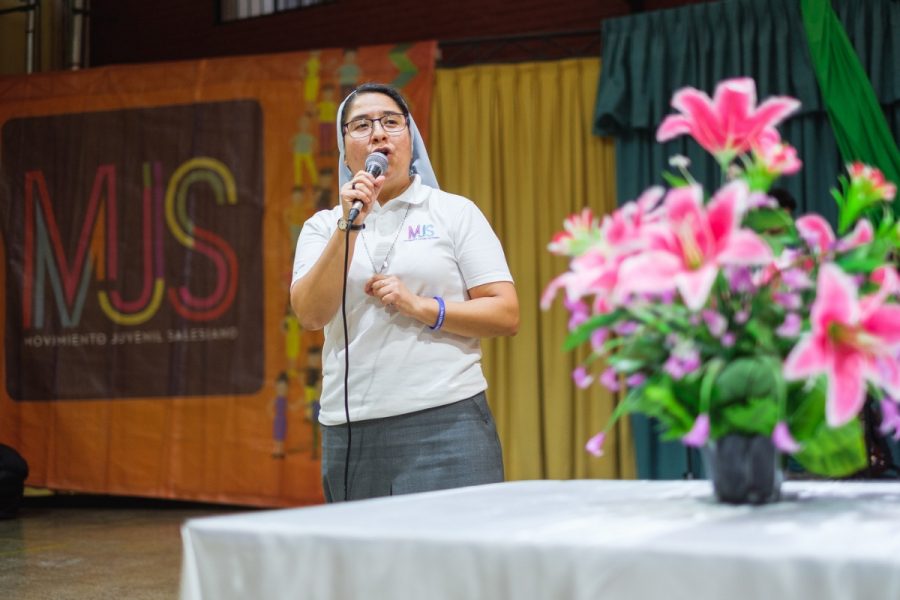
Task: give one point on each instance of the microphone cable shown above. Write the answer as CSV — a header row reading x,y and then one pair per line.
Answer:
x,y
346,363
376,165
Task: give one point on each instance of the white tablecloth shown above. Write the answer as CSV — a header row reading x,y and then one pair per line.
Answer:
x,y
555,540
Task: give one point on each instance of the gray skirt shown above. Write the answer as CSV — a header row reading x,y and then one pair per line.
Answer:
x,y
438,448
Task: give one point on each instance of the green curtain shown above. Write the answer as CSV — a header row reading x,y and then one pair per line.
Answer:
x,y
648,56
856,118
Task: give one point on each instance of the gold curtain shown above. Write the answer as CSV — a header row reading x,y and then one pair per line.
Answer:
x,y
516,139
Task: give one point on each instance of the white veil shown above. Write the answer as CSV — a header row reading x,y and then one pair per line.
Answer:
x,y
420,163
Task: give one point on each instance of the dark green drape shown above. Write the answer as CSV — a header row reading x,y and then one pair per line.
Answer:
x,y
856,118
648,56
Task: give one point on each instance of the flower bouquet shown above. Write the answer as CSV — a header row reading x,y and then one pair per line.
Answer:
x,y
721,314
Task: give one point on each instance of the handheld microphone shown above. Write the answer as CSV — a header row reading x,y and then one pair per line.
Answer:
x,y
376,164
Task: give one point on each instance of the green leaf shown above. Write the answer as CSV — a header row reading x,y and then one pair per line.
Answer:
x,y
776,242
763,335
756,416
630,404
625,364
859,264
644,349
583,332
687,390
708,382
865,259
834,452
657,399
769,219
825,450
743,379
806,409
675,181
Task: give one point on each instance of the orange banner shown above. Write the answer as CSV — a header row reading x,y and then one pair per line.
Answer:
x,y
149,217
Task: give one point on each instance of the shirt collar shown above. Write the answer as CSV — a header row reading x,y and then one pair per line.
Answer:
x,y
410,195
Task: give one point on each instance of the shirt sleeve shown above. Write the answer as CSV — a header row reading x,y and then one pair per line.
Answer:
x,y
478,250
311,243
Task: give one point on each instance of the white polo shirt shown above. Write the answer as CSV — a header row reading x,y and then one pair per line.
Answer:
x,y
444,246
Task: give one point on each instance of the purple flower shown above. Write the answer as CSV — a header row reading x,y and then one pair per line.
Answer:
x,y
783,440
796,279
740,279
890,419
674,368
578,312
610,379
715,322
728,340
682,362
790,327
598,338
625,327
699,433
581,377
595,444
635,380
761,200
667,296
741,316
788,300
691,360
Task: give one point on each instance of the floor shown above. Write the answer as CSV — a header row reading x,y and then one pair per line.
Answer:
x,y
95,547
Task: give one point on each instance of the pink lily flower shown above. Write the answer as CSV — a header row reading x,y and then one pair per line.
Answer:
x,y
778,157
872,181
852,341
622,229
599,250
688,248
819,235
580,230
888,284
590,273
728,124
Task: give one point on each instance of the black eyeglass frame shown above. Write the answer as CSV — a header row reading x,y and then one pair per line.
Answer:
x,y
346,126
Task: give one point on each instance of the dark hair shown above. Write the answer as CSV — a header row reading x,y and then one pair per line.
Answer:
x,y
375,88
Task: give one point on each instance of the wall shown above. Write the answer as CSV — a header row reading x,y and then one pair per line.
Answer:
x,y
130,31
48,51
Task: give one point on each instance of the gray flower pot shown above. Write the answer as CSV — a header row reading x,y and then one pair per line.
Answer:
x,y
744,469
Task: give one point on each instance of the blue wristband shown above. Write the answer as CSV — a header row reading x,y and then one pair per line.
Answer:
x,y
442,310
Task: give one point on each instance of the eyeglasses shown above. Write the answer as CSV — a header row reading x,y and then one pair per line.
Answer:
x,y
362,127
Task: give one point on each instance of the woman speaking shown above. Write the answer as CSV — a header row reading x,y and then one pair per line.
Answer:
x,y
427,279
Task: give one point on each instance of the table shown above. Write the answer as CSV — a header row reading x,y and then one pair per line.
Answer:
x,y
555,540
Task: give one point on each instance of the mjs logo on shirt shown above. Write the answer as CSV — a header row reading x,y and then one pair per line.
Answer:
x,y
420,232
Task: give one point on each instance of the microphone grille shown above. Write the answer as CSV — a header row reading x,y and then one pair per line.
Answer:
x,y
377,163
